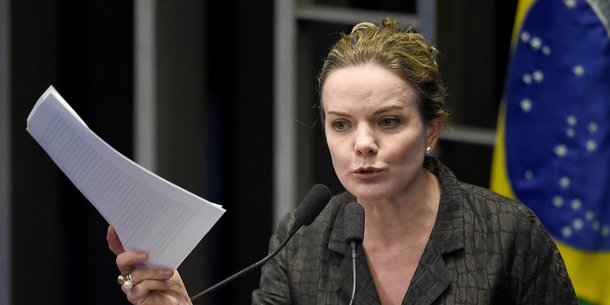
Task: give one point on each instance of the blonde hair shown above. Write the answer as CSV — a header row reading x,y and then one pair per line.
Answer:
x,y
399,50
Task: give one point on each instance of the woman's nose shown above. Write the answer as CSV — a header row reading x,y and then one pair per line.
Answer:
x,y
364,143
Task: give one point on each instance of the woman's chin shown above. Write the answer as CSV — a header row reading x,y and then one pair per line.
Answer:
x,y
368,193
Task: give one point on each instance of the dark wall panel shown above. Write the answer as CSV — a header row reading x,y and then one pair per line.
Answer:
x,y
240,46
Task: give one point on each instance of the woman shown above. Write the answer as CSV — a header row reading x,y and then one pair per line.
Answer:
x,y
429,239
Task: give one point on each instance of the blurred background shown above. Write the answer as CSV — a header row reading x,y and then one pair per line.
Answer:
x,y
216,96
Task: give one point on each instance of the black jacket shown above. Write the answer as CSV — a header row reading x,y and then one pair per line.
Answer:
x,y
484,249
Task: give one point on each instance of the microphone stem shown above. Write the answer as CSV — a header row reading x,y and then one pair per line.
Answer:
x,y
250,268
353,244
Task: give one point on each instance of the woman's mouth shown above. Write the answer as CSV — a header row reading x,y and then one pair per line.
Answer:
x,y
368,172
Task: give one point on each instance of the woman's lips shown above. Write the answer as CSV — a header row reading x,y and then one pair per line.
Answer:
x,y
368,172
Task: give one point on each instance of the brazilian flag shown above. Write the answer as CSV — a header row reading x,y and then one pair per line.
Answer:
x,y
553,141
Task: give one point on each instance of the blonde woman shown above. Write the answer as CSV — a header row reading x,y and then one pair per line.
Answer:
x,y
428,238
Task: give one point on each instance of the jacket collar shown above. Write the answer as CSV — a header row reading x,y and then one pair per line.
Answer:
x,y
431,277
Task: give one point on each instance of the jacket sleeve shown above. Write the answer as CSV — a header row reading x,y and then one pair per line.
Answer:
x,y
274,287
540,275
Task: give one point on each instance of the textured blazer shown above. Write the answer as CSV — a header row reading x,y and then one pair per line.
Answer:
x,y
484,249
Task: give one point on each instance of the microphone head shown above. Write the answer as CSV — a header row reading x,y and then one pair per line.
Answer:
x,y
311,206
353,223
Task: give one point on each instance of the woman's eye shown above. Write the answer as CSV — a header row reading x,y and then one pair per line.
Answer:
x,y
389,122
339,125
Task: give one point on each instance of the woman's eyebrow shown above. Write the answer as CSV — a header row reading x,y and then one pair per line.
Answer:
x,y
339,113
389,108
379,111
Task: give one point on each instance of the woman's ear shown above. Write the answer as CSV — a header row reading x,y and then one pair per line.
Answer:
x,y
433,131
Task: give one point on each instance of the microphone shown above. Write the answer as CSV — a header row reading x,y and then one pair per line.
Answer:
x,y
311,206
353,227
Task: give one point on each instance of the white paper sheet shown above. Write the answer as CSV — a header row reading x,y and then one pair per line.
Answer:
x,y
149,213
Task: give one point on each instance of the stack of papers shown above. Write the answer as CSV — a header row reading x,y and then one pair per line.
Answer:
x,y
149,213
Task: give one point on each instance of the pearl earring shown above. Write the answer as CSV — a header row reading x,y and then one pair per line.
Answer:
x,y
428,149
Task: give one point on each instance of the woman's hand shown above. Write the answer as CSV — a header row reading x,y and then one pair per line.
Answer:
x,y
150,286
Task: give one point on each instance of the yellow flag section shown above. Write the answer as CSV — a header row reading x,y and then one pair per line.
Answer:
x,y
553,140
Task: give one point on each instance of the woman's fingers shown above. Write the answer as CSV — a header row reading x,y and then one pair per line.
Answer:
x,y
156,286
127,261
144,290
142,286
114,243
147,286
142,275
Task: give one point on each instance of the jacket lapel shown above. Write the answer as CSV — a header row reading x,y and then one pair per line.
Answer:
x,y
432,277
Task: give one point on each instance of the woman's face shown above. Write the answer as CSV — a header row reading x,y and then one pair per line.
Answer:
x,y
375,132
